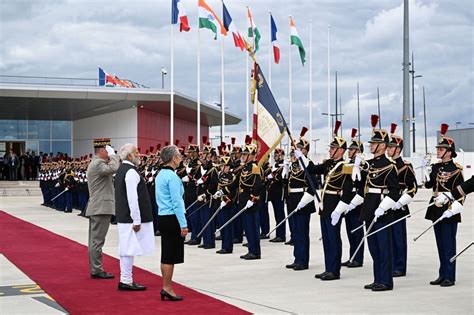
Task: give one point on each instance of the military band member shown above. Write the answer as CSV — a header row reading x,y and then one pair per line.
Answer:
x,y
300,199
408,189
445,176
352,215
276,194
248,197
378,198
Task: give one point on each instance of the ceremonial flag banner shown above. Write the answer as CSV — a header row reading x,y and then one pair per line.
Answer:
x,y
276,47
296,40
110,80
178,13
269,124
208,19
229,26
253,30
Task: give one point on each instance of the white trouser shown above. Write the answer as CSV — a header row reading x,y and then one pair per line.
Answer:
x,y
126,266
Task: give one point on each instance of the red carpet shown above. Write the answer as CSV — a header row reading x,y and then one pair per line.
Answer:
x,y
61,268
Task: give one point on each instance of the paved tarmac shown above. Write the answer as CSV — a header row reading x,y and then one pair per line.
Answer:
x,y
265,286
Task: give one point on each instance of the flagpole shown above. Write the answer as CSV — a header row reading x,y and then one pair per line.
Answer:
x,y
222,90
329,91
247,101
198,89
310,84
289,81
270,52
172,89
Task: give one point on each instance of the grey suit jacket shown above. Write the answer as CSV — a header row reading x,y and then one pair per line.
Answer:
x,y
101,186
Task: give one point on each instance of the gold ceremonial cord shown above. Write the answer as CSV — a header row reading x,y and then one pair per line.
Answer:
x,y
329,176
376,173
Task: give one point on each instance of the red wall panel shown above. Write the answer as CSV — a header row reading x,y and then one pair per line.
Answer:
x,y
154,128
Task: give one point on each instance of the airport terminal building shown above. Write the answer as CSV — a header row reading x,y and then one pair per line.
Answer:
x,y
66,118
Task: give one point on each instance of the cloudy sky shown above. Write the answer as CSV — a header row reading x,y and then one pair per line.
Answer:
x,y
132,39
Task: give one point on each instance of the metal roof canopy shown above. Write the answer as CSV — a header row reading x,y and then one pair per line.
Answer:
x,y
39,102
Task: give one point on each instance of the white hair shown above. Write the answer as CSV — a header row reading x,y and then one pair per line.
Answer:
x,y
125,150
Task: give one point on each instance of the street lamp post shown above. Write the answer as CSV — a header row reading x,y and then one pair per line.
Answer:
x,y
413,77
163,73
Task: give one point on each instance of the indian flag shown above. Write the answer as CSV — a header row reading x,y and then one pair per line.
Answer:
x,y
253,30
296,40
208,19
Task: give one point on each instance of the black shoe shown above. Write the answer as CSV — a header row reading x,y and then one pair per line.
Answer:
x,y
192,242
291,266
219,238
319,275
300,267
113,222
381,287
264,237
102,275
437,281
170,297
251,256
223,251
245,244
370,286
447,283
330,276
131,287
354,264
277,240
290,242
344,264
157,233
398,273
244,256
237,241
205,246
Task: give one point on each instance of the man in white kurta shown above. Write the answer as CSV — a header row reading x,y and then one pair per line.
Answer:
x,y
134,217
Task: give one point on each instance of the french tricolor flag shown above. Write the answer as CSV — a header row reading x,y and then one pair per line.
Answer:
x,y
178,12
230,27
276,47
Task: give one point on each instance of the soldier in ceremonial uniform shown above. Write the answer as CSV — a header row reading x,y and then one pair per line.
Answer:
x,y
445,176
301,200
378,196
190,195
276,193
264,217
352,215
408,189
236,154
225,199
248,196
69,183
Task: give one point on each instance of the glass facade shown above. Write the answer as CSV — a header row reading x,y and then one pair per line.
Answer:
x,y
38,135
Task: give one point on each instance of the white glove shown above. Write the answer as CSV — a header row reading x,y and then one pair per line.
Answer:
x,y
223,204
357,200
336,214
249,204
356,173
443,198
286,167
150,179
378,213
307,198
200,181
185,179
203,171
270,176
188,169
299,154
109,150
358,160
201,197
447,214
425,162
456,207
397,206
57,185
218,194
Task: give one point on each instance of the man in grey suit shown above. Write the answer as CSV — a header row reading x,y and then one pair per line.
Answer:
x,y
101,205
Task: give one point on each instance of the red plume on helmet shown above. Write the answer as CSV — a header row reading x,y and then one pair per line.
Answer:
x,y
444,129
393,127
176,142
166,143
158,147
248,139
190,139
146,152
374,119
204,139
223,144
303,132
138,149
232,140
151,149
336,127
353,132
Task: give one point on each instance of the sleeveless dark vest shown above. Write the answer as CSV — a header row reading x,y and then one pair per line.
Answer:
x,y
122,211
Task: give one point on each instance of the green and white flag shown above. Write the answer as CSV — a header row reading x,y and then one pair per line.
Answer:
x,y
253,30
296,40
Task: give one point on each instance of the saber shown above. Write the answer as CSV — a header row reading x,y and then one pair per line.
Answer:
x,y
358,228
282,221
231,219
363,239
191,205
464,249
209,222
401,219
440,218
66,189
195,211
